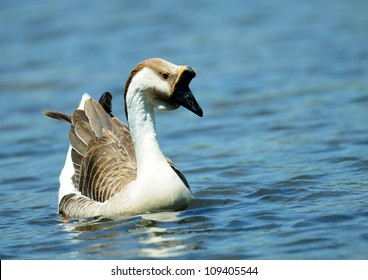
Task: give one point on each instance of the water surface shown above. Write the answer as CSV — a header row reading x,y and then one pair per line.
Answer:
x,y
278,164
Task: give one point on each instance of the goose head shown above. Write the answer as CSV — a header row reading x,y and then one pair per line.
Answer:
x,y
164,85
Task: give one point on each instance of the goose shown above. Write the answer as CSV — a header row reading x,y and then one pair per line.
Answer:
x,y
112,168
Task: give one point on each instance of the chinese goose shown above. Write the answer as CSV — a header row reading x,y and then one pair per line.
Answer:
x,y
111,169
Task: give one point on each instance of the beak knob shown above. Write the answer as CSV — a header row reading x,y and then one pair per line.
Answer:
x,y
182,93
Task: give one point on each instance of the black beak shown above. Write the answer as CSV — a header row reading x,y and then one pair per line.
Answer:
x,y
182,94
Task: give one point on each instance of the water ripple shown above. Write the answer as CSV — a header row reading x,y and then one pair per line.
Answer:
x,y
278,164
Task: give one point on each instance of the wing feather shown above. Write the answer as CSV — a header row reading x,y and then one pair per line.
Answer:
x,y
97,116
104,156
78,145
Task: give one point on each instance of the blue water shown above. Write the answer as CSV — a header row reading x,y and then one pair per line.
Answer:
x,y
278,164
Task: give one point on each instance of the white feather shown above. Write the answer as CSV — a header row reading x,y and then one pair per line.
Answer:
x,y
66,183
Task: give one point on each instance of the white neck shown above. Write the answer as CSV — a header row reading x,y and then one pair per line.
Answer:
x,y
157,185
141,119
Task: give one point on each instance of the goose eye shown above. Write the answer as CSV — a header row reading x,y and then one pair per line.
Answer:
x,y
165,75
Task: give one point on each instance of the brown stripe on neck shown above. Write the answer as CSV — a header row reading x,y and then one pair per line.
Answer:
x,y
136,69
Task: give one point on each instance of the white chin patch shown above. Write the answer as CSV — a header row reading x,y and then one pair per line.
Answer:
x,y
165,106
